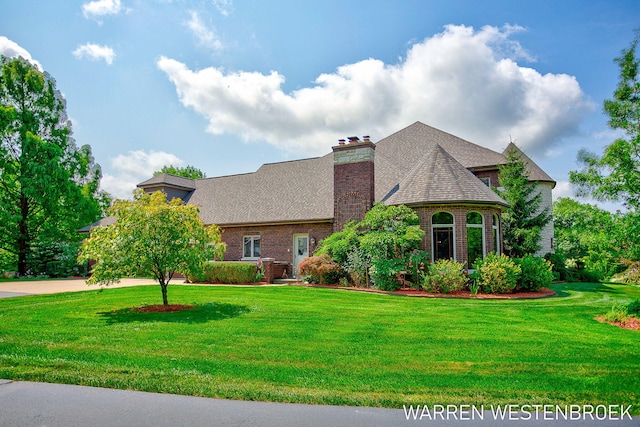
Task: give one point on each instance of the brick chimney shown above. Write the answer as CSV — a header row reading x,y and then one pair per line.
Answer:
x,y
353,180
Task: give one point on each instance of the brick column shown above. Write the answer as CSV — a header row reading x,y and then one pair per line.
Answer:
x,y
353,181
267,268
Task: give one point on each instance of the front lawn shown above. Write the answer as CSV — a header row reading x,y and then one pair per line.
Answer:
x,y
298,344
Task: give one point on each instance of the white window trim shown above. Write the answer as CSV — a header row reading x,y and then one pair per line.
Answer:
x,y
433,242
253,237
495,228
484,237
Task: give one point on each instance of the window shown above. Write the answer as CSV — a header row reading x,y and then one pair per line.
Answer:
x,y
443,237
496,233
486,181
251,247
475,238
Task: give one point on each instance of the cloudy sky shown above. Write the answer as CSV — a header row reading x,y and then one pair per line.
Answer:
x,y
227,85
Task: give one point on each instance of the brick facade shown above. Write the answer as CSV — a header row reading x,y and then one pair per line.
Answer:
x,y
459,213
353,182
276,241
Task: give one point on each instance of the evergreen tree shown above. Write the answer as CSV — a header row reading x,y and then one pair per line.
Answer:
x,y
524,219
48,187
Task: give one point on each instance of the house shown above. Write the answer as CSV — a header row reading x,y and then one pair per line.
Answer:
x,y
284,210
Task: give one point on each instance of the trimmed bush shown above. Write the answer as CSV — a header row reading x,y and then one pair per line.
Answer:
x,y
536,273
444,276
227,272
320,269
497,274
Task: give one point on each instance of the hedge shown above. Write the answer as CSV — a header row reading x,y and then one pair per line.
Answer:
x,y
226,272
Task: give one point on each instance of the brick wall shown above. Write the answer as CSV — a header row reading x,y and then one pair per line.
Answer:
x,y
276,241
460,227
491,174
353,182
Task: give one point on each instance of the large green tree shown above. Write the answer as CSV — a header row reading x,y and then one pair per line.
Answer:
x,y
524,219
151,237
615,175
591,236
48,186
187,171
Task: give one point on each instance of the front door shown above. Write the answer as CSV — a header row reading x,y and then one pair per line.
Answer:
x,y
300,250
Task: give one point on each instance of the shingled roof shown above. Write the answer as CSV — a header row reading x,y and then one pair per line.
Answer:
x,y
418,164
439,178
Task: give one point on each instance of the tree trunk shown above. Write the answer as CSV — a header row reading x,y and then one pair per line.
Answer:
x,y
23,237
163,285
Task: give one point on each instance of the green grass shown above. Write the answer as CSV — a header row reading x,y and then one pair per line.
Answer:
x,y
314,345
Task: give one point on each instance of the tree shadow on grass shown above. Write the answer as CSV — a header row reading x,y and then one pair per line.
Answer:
x,y
561,290
198,314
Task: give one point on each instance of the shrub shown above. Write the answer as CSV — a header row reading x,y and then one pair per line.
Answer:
x,y
497,274
444,276
226,272
536,273
618,313
357,267
385,273
417,262
631,276
321,269
55,259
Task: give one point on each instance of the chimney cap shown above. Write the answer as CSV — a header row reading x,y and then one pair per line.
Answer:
x,y
353,139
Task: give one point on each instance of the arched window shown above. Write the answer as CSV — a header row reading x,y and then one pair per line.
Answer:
x,y
475,238
496,233
443,236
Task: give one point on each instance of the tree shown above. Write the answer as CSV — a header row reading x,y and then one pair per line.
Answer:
x,y
187,172
615,175
524,219
48,187
591,236
151,237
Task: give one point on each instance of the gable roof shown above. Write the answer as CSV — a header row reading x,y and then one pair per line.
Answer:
x,y
439,178
418,164
300,190
535,172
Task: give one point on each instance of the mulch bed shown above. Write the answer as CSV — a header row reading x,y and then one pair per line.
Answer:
x,y
542,293
632,323
160,308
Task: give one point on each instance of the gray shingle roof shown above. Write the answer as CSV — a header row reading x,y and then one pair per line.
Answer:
x,y
421,163
300,190
439,178
171,180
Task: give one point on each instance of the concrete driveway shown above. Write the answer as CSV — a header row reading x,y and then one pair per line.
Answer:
x,y
20,288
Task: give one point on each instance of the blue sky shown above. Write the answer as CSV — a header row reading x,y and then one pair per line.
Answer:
x,y
228,85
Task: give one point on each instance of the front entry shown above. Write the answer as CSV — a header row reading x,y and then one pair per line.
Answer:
x,y
300,250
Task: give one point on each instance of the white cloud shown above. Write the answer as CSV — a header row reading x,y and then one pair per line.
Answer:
x,y
98,8
11,49
205,35
95,52
225,7
562,189
133,168
463,81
